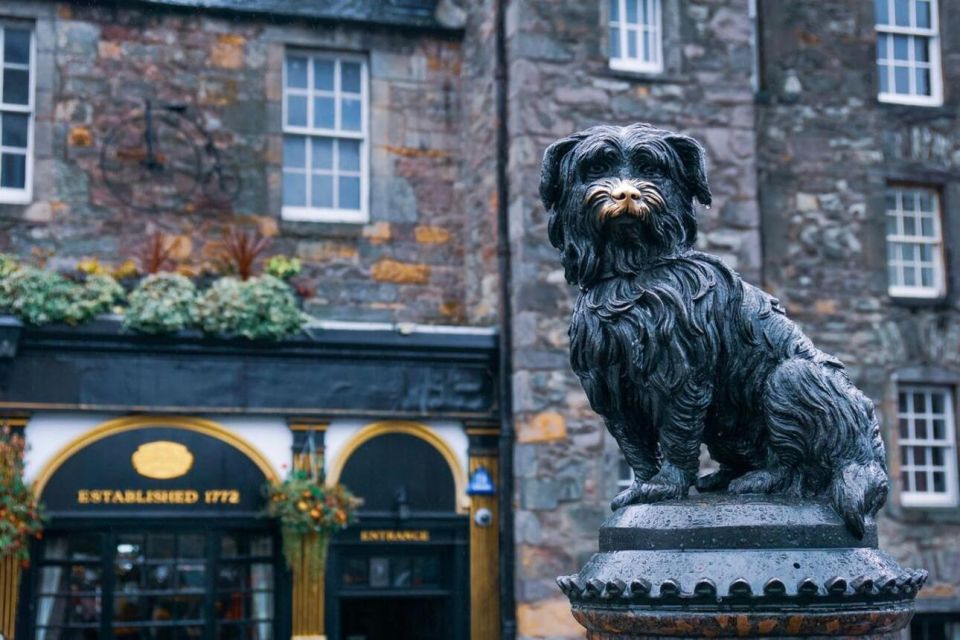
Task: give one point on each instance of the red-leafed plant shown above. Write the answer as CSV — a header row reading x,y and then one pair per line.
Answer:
x,y
241,250
156,254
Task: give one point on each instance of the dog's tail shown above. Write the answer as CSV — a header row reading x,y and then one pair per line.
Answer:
x,y
822,424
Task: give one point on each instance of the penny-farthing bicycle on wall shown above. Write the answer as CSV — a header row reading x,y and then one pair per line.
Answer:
x,y
163,159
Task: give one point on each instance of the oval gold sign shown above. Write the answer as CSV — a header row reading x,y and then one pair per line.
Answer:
x,y
162,460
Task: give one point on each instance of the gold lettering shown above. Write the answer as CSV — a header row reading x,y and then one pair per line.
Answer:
x,y
390,535
83,497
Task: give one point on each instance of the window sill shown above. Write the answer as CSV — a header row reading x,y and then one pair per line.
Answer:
x,y
15,197
660,77
941,301
335,216
909,101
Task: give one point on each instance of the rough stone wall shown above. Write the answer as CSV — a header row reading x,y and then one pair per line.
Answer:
x,y
826,150
560,82
407,264
479,163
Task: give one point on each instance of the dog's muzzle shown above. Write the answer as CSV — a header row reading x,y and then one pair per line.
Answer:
x,y
617,197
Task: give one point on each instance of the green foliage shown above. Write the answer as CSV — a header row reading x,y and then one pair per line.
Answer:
x,y
271,309
21,517
283,267
221,308
162,303
258,308
309,512
38,296
264,307
8,264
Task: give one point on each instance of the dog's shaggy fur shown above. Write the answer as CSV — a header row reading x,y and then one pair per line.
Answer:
x,y
673,349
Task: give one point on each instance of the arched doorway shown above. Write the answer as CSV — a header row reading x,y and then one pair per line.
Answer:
x,y
155,532
403,571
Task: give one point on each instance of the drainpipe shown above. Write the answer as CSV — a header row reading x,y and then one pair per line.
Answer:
x,y
507,555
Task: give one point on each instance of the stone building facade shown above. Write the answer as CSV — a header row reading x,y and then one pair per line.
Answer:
x,y
462,99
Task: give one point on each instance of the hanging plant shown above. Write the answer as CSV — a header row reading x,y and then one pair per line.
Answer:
x,y
21,517
310,512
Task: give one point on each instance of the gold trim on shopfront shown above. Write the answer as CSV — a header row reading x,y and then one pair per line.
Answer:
x,y
132,423
9,590
415,429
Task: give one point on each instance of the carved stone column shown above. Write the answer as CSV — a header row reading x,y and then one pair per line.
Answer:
x,y
744,566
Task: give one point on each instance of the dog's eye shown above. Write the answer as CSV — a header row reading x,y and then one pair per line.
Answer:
x,y
598,167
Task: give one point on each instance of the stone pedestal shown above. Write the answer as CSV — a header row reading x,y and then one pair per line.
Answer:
x,y
739,566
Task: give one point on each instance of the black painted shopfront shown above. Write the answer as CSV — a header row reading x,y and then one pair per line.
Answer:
x,y
155,523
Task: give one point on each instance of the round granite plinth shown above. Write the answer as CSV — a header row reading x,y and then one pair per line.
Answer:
x,y
739,566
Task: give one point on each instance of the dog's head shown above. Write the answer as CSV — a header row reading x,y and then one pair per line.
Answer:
x,y
619,196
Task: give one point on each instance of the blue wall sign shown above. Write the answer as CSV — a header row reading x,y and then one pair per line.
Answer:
x,y
481,484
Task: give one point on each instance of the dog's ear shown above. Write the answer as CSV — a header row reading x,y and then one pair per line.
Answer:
x,y
551,186
693,159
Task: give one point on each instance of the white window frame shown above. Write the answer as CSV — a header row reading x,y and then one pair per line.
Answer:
x,y
328,214
638,64
939,287
932,35
11,195
929,498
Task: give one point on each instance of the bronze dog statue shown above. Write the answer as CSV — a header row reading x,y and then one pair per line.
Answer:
x,y
673,349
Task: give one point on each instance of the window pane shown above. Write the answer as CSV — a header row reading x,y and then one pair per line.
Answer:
x,y
902,80
921,480
350,115
939,433
614,42
16,46
900,47
909,278
631,43
881,46
923,82
349,155
322,153
321,194
901,13
921,429
297,111
939,482
295,152
632,11
919,403
350,77
923,14
323,113
926,227
297,72
614,10
323,74
646,46
880,11
13,171
16,86
921,49
349,192
909,225
294,189
15,129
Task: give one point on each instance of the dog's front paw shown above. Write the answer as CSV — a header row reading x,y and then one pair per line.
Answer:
x,y
658,489
630,495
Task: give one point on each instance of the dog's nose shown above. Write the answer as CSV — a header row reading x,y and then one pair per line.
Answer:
x,y
624,191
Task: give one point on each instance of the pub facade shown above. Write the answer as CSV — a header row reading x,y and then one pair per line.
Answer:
x,y
335,131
